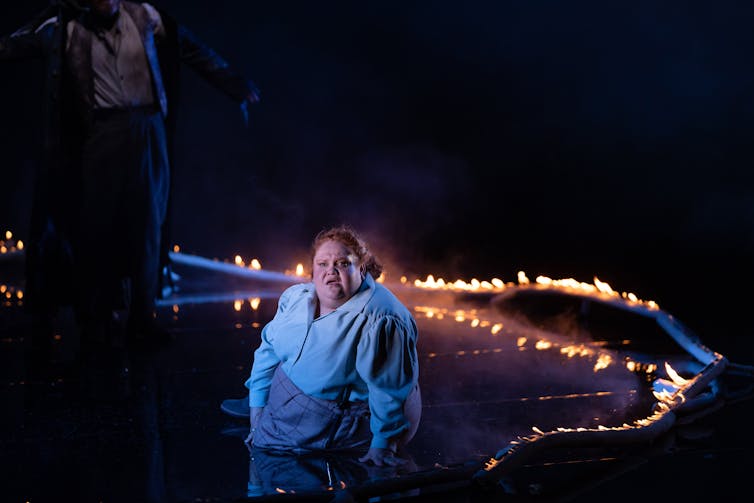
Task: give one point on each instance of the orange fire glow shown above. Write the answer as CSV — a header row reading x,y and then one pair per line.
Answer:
x,y
677,379
598,288
669,393
497,327
543,345
633,366
474,285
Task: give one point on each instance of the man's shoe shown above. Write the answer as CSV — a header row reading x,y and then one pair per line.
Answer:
x,y
236,407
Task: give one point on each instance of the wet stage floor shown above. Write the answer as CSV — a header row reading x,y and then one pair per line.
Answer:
x,y
144,424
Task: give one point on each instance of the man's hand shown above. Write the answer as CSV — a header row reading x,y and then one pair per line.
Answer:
x,y
382,457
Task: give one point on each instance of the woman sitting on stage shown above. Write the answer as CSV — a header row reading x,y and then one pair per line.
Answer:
x,y
337,366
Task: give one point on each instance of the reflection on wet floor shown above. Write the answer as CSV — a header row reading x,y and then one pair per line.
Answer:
x,y
143,424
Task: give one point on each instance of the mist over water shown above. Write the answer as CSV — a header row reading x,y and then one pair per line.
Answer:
x,y
488,378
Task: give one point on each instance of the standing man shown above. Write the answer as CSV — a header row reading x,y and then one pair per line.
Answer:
x,y
100,208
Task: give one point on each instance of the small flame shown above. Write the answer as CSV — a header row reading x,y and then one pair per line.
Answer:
x,y
299,269
603,361
239,261
237,305
603,287
255,264
648,368
176,308
677,379
254,303
20,245
176,248
543,345
574,350
8,235
667,391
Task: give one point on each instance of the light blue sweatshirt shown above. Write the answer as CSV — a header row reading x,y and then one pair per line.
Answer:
x,y
369,343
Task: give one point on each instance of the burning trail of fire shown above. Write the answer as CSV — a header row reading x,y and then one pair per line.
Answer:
x,y
650,427
599,289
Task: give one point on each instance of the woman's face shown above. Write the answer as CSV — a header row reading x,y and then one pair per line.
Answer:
x,y
336,274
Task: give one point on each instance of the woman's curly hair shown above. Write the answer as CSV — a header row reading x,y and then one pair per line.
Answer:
x,y
350,239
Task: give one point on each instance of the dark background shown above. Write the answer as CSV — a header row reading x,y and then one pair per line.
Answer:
x,y
466,139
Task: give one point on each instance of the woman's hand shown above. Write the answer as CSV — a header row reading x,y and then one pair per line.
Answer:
x,y
382,457
255,414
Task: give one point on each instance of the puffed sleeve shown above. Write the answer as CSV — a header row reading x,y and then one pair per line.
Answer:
x,y
386,360
265,358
